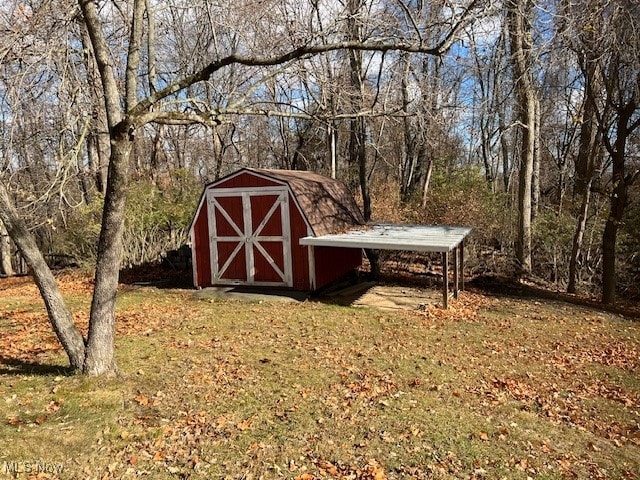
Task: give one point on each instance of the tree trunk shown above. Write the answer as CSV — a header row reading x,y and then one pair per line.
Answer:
x,y
98,145
609,239
359,152
358,134
332,138
408,145
576,248
618,199
504,153
535,180
427,180
523,242
59,315
589,132
6,268
218,152
519,18
101,339
585,169
585,161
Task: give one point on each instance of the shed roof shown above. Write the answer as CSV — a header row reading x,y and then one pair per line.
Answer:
x,y
417,238
326,203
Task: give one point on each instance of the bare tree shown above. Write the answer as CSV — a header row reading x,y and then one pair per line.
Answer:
x,y
519,18
603,36
129,106
590,138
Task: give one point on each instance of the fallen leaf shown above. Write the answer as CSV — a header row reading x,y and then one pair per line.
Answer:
x,y
304,476
41,420
245,424
14,422
328,467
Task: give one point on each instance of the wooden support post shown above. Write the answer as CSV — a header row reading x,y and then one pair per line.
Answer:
x,y
445,280
462,264
312,267
456,273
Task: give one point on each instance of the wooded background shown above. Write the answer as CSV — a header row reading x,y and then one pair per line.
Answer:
x,y
518,118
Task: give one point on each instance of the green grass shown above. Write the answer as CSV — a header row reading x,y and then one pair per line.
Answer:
x,y
493,388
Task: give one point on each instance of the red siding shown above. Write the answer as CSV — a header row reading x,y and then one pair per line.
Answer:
x,y
202,248
299,253
246,180
332,263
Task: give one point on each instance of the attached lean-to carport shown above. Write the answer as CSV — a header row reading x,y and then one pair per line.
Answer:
x,y
449,241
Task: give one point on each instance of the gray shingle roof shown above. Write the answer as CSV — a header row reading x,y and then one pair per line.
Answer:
x,y
326,203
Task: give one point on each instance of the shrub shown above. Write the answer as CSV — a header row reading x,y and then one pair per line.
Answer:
x,y
629,254
552,240
460,197
156,221
463,197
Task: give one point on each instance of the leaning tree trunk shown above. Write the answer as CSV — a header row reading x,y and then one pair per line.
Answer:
x,y
59,315
585,170
576,248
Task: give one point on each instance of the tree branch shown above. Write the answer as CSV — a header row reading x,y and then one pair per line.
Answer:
x,y
104,61
133,56
300,52
213,117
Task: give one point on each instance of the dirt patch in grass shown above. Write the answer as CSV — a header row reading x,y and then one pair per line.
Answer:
x,y
384,296
214,388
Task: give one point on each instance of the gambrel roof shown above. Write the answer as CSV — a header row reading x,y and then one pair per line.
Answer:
x,y
326,203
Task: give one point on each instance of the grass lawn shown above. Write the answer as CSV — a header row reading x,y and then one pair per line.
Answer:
x,y
492,388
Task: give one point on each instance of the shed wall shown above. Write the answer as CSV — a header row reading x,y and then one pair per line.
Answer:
x,y
332,263
299,253
202,248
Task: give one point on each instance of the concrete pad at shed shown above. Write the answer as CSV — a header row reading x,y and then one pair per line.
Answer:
x,y
252,295
361,294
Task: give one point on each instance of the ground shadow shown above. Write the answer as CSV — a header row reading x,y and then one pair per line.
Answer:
x,y
499,286
348,289
252,294
156,275
16,366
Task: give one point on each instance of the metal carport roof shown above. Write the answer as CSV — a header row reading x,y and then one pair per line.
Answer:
x,y
417,238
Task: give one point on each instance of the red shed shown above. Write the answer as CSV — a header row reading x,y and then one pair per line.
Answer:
x,y
248,225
